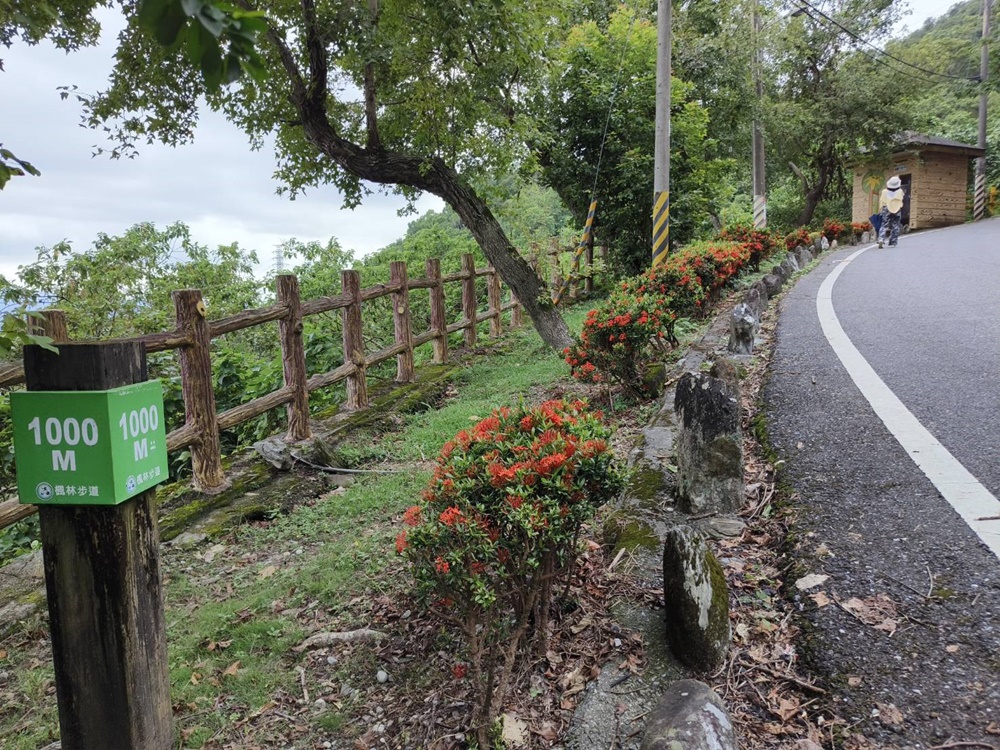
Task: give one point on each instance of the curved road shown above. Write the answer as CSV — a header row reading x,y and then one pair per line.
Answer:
x,y
884,401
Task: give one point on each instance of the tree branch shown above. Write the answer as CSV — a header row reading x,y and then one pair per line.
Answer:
x,y
798,173
371,111
316,98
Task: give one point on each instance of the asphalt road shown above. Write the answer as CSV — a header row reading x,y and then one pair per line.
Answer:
x,y
884,402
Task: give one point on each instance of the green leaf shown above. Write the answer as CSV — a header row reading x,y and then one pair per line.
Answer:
x,y
168,26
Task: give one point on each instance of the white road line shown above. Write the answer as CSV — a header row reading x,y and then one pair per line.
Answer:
x,y
961,489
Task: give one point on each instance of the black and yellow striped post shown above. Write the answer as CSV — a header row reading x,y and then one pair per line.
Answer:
x,y
588,229
661,226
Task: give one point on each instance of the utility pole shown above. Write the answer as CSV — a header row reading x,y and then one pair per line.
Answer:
x,y
661,169
759,185
979,205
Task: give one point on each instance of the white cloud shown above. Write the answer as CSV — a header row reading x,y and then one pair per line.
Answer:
x,y
217,186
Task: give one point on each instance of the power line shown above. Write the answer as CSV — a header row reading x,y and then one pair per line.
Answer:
x,y
881,51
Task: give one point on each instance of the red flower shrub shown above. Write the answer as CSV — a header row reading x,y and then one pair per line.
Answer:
x,y
760,242
799,237
833,229
500,519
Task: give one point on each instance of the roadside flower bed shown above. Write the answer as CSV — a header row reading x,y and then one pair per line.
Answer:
x,y
497,528
629,330
833,229
800,236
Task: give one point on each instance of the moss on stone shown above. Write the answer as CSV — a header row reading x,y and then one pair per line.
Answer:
x,y
622,532
718,623
646,484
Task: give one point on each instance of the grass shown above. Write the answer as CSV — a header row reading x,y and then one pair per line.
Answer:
x,y
237,606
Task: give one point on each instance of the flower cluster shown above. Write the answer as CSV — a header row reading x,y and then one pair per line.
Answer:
x,y
617,336
800,237
833,229
760,242
860,227
505,494
633,326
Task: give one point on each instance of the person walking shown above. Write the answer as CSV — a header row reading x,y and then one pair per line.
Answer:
x,y
890,206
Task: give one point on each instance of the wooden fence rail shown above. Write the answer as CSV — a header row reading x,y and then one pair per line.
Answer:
x,y
193,336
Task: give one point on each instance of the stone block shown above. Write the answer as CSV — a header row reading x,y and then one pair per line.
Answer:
x,y
697,600
689,716
803,256
772,282
742,325
709,448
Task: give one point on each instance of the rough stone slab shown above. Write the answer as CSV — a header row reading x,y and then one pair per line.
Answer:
x,y
803,256
772,283
756,300
742,325
697,600
709,446
788,267
690,716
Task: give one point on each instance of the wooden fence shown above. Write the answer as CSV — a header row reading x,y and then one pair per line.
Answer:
x,y
193,335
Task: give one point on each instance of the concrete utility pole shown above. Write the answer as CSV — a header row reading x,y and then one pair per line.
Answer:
x,y
661,170
759,185
979,206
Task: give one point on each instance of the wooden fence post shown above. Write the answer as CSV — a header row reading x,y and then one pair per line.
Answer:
x,y
555,274
102,578
354,343
469,306
495,304
516,313
439,319
53,325
293,357
198,391
401,323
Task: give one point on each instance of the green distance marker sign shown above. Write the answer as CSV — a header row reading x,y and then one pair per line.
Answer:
x,y
89,447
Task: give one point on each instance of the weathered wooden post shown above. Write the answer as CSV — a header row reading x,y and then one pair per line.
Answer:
x,y
401,324
198,391
495,305
555,275
516,312
469,305
439,320
354,342
53,325
293,357
102,574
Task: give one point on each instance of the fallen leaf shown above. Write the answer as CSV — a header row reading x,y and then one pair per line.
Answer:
x,y
3,654
887,625
888,714
742,631
810,581
878,611
547,731
952,649
787,708
823,551
514,732
232,669
993,728
821,599
573,682
853,681
585,623
195,678
267,572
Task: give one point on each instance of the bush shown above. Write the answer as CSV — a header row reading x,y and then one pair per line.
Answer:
x,y
799,237
760,243
499,523
618,338
833,229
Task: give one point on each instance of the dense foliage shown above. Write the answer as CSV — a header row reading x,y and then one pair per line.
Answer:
x,y
498,526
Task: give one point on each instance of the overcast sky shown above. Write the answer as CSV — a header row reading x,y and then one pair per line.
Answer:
x,y
217,186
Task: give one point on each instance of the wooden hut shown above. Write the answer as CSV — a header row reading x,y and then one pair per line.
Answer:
x,y
935,176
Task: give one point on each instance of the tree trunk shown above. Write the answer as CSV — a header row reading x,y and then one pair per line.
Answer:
x,y
435,176
814,193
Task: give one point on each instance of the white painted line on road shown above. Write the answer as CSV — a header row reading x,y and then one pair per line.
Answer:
x,y
966,494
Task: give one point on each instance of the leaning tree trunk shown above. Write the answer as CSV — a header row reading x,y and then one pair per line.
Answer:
x,y
814,193
434,176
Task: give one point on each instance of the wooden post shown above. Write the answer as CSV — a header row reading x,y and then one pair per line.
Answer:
x,y
102,578
354,343
439,319
469,299
493,295
401,324
53,325
516,313
555,277
293,358
198,391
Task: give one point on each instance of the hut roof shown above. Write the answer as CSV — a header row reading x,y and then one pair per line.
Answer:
x,y
911,141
